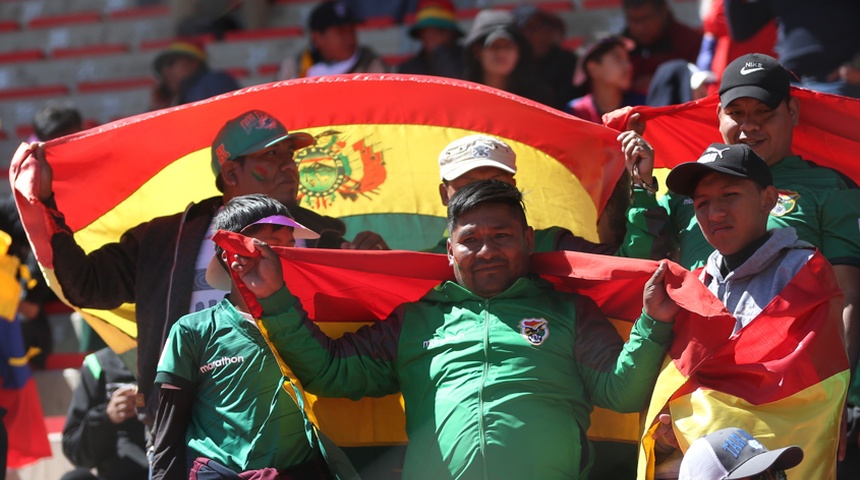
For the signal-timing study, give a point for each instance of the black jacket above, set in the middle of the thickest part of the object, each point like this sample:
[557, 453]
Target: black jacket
[151, 266]
[89, 438]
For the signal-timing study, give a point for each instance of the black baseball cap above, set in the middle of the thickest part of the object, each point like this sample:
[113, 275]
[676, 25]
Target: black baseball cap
[331, 14]
[757, 76]
[736, 160]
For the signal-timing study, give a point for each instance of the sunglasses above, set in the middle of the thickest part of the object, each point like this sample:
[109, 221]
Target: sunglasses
[770, 475]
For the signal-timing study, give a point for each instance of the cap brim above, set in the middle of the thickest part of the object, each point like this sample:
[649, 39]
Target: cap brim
[781, 459]
[470, 165]
[299, 230]
[217, 276]
[299, 139]
[767, 97]
[684, 177]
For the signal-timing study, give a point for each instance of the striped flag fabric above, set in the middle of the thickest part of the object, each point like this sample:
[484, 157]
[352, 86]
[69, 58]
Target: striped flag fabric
[783, 378]
[828, 132]
[23, 419]
[374, 165]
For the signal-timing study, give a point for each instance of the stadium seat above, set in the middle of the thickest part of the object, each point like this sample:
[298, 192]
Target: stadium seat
[66, 19]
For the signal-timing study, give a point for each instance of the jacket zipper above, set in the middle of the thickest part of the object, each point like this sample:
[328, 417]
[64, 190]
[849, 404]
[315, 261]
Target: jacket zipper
[481, 426]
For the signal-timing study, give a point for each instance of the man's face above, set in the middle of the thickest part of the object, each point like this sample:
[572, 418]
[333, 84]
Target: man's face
[271, 171]
[489, 249]
[768, 131]
[731, 211]
[646, 23]
[448, 189]
[337, 43]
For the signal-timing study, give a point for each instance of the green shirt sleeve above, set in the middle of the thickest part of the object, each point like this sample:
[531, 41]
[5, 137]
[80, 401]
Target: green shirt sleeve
[619, 376]
[180, 360]
[840, 227]
[647, 228]
[360, 364]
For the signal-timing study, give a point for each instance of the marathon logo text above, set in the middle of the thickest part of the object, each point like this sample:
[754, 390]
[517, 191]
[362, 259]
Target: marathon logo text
[221, 362]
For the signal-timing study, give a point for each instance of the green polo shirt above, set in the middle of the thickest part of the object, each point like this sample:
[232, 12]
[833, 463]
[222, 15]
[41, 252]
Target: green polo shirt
[241, 417]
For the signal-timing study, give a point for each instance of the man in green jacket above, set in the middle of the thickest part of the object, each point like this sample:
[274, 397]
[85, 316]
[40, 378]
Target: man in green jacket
[498, 370]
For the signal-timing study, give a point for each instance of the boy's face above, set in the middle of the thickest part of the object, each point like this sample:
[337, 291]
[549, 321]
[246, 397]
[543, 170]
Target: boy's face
[277, 235]
[732, 211]
[612, 69]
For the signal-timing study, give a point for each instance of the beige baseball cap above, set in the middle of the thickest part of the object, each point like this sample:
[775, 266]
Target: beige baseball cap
[475, 151]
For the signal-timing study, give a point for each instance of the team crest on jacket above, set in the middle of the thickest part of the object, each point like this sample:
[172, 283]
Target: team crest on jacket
[535, 330]
[339, 166]
[785, 203]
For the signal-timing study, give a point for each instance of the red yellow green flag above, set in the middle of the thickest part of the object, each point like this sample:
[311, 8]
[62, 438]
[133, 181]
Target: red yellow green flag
[374, 165]
[783, 377]
[828, 132]
[23, 419]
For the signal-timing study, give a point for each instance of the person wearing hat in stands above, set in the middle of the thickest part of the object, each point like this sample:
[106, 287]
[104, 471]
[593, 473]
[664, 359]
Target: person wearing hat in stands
[733, 196]
[756, 108]
[734, 454]
[605, 73]
[334, 47]
[159, 265]
[497, 55]
[482, 157]
[184, 76]
[436, 28]
[222, 407]
[544, 31]
[498, 370]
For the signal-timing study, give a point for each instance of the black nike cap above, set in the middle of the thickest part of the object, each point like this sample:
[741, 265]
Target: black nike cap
[757, 76]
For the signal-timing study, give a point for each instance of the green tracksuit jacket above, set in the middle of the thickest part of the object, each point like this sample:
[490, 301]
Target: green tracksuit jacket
[494, 388]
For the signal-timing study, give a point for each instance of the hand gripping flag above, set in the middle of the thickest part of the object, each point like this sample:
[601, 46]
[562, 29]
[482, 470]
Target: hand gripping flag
[23, 419]
[828, 132]
[783, 378]
[374, 165]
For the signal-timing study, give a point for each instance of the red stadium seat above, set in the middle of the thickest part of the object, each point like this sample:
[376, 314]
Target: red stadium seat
[269, 69]
[396, 59]
[88, 51]
[9, 26]
[263, 33]
[37, 91]
[119, 84]
[600, 4]
[65, 19]
[376, 22]
[21, 56]
[140, 12]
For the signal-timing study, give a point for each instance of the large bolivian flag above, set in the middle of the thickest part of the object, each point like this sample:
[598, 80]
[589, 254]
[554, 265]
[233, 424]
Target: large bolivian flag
[828, 132]
[783, 377]
[374, 165]
[23, 419]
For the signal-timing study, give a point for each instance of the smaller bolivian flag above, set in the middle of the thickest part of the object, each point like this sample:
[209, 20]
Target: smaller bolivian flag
[783, 378]
[828, 132]
[24, 421]
[348, 286]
